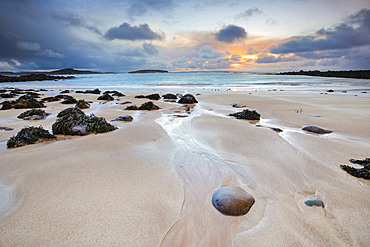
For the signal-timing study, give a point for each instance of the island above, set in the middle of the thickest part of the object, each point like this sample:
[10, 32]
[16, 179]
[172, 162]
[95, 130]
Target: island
[356, 74]
[148, 71]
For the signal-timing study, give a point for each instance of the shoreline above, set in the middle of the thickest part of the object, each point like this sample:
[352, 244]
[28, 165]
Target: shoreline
[149, 181]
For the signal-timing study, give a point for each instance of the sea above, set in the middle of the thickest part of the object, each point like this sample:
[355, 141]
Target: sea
[189, 81]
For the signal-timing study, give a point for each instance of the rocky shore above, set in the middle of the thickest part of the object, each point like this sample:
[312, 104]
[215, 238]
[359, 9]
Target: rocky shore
[356, 74]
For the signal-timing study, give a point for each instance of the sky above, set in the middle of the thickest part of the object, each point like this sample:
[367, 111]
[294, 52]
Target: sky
[185, 35]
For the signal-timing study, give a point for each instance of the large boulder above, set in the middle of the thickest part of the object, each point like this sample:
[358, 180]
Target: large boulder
[106, 96]
[70, 110]
[232, 200]
[187, 99]
[22, 103]
[148, 106]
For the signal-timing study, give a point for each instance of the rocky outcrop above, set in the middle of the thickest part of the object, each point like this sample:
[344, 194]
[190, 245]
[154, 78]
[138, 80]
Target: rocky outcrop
[69, 111]
[150, 96]
[148, 106]
[29, 135]
[82, 104]
[33, 77]
[246, 114]
[23, 102]
[106, 96]
[80, 124]
[232, 200]
[34, 114]
[169, 96]
[187, 99]
[363, 172]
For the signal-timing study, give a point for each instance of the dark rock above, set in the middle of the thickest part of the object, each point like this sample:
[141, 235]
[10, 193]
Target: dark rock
[79, 91]
[80, 124]
[316, 129]
[69, 100]
[95, 91]
[126, 102]
[344, 91]
[70, 110]
[34, 114]
[7, 95]
[148, 106]
[238, 106]
[29, 135]
[246, 114]
[126, 118]
[232, 200]
[65, 91]
[276, 129]
[313, 201]
[106, 97]
[22, 103]
[6, 128]
[169, 96]
[330, 91]
[118, 94]
[150, 96]
[187, 99]
[82, 104]
[32, 77]
[363, 172]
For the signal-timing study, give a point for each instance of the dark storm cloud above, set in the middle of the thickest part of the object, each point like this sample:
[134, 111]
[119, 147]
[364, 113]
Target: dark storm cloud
[353, 32]
[75, 21]
[231, 34]
[138, 8]
[127, 32]
[249, 13]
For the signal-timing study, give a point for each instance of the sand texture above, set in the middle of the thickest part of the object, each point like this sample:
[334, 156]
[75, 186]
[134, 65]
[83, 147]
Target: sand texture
[150, 182]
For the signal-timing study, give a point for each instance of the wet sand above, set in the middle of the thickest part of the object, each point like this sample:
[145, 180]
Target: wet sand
[150, 182]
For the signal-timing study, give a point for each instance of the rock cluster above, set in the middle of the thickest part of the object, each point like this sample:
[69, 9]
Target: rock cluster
[246, 114]
[363, 172]
[29, 135]
[232, 200]
[23, 102]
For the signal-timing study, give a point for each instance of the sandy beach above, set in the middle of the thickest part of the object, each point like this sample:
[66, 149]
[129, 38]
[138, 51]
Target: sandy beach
[150, 182]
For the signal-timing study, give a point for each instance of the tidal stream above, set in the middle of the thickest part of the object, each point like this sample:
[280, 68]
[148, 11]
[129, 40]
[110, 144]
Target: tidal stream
[202, 171]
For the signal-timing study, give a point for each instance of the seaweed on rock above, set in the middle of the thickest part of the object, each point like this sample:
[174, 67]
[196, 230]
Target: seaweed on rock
[70, 110]
[34, 114]
[29, 135]
[246, 114]
[22, 103]
[363, 172]
[148, 106]
[81, 124]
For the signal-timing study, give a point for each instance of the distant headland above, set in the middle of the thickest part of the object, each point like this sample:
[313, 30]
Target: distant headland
[148, 71]
[356, 74]
[42, 76]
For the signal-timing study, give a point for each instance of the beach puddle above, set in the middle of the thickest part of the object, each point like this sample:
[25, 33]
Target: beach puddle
[202, 171]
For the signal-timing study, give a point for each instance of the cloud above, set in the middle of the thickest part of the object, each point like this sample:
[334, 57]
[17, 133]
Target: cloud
[248, 13]
[236, 57]
[209, 53]
[354, 32]
[127, 32]
[231, 33]
[50, 53]
[139, 8]
[275, 59]
[75, 21]
[252, 51]
[150, 49]
[28, 46]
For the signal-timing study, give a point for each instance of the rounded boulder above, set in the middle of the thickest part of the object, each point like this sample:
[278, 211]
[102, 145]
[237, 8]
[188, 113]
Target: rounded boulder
[232, 200]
